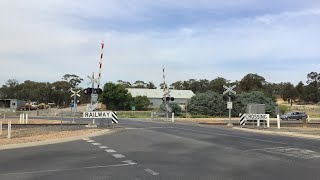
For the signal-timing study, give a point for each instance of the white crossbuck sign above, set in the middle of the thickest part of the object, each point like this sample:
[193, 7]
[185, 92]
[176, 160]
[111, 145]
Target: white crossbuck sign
[229, 89]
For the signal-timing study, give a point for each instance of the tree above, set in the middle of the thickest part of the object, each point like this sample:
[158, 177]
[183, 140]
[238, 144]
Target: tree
[313, 77]
[72, 79]
[174, 107]
[9, 90]
[312, 93]
[209, 103]
[254, 97]
[252, 82]
[126, 84]
[289, 92]
[177, 85]
[216, 85]
[141, 103]
[150, 85]
[139, 84]
[300, 90]
[115, 97]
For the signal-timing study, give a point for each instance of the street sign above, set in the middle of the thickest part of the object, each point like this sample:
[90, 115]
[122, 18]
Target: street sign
[102, 114]
[229, 89]
[94, 98]
[133, 108]
[229, 105]
[253, 117]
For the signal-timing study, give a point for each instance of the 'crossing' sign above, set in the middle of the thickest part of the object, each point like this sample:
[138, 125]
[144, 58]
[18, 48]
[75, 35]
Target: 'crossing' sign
[102, 114]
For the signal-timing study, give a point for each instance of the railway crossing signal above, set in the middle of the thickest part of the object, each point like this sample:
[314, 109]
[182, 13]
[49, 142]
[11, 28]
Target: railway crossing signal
[229, 91]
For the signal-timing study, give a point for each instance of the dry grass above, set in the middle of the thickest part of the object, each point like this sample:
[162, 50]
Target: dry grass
[40, 121]
[50, 135]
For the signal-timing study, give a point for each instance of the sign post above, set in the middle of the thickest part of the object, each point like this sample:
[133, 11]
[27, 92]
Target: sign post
[229, 90]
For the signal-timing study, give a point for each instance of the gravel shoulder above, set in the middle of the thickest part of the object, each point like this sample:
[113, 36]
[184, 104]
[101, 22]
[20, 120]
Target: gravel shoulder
[42, 131]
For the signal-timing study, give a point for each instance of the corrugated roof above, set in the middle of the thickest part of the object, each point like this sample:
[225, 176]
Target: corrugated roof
[158, 93]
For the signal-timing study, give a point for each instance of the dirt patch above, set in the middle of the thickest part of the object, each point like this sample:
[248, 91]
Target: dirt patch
[37, 134]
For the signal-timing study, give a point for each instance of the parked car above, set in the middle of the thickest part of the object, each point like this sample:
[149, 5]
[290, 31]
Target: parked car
[294, 115]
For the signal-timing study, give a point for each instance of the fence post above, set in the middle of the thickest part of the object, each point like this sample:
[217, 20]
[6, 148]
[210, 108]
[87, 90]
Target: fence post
[9, 129]
[1, 127]
[172, 117]
[278, 121]
[27, 118]
[4, 116]
[258, 123]
[308, 118]
[20, 119]
[268, 120]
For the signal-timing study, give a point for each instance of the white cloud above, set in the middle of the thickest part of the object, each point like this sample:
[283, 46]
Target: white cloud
[43, 37]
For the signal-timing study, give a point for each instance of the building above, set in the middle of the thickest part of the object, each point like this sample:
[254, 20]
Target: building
[11, 104]
[155, 96]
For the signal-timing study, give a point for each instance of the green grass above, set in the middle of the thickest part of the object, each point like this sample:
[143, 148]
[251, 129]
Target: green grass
[134, 114]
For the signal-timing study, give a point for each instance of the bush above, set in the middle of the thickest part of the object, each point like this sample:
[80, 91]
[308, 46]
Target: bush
[283, 109]
[141, 103]
[207, 104]
[175, 108]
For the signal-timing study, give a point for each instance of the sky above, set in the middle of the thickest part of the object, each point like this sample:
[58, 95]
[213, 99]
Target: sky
[198, 39]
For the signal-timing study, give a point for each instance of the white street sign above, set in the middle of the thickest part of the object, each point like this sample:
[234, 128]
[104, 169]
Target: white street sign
[97, 114]
[94, 98]
[229, 89]
[229, 105]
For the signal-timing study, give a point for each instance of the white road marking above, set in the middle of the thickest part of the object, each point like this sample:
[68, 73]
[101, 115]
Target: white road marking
[228, 135]
[261, 149]
[129, 162]
[90, 141]
[150, 171]
[103, 147]
[110, 151]
[86, 139]
[96, 144]
[292, 151]
[118, 156]
[60, 170]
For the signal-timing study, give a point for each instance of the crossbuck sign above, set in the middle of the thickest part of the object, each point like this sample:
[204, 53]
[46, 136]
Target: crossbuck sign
[229, 89]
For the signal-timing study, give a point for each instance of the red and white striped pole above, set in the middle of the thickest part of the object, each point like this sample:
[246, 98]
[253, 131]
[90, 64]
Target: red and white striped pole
[164, 85]
[100, 63]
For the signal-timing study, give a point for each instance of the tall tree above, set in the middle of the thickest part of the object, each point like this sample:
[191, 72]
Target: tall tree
[252, 82]
[126, 84]
[300, 90]
[289, 92]
[72, 79]
[139, 84]
[115, 97]
[216, 85]
[150, 85]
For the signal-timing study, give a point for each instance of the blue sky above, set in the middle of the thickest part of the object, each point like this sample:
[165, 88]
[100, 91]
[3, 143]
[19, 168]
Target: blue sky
[203, 39]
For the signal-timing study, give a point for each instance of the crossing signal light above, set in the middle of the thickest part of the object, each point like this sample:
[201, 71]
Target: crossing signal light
[88, 91]
[97, 91]
[168, 99]
[226, 97]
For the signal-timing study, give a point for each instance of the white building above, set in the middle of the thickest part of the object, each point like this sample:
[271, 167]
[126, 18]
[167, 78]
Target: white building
[155, 96]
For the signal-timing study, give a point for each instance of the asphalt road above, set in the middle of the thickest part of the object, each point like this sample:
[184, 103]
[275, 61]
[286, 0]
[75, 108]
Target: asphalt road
[152, 150]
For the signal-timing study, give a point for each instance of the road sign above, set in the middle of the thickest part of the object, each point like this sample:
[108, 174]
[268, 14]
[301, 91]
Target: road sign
[229, 89]
[133, 108]
[253, 117]
[229, 105]
[94, 98]
[102, 114]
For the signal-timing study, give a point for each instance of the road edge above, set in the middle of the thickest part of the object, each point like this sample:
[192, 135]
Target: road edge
[54, 141]
[287, 134]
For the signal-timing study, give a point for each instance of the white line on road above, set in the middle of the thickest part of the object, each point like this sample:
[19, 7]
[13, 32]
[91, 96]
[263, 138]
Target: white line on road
[228, 135]
[103, 147]
[150, 171]
[60, 170]
[86, 139]
[90, 141]
[118, 156]
[110, 151]
[129, 162]
[261, 149]
[96, 144]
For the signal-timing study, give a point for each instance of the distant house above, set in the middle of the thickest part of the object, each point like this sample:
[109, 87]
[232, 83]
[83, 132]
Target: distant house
[155, 96]
[11, 104]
